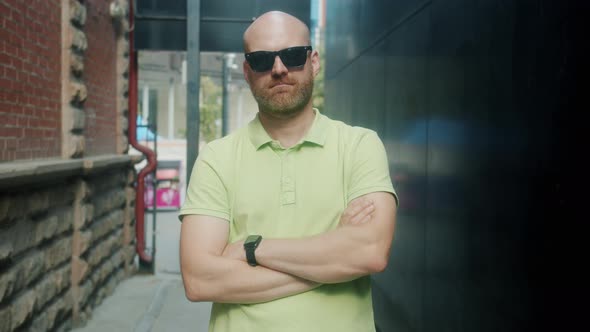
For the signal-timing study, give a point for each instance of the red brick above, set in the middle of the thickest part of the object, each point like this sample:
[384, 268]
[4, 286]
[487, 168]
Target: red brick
[9, 72]
[6, 84]
[33, 133]
[7, 120]
[23, 155]
[11, 132]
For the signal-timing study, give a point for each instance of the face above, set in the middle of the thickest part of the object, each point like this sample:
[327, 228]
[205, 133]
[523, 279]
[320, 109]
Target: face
[281, 90]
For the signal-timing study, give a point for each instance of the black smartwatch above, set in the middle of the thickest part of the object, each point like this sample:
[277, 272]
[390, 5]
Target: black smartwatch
[250, 245]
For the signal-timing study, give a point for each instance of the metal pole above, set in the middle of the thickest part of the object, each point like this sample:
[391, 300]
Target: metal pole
[193, 53]
[224, 103]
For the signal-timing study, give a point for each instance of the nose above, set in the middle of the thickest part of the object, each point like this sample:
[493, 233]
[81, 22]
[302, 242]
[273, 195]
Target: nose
[278, 68]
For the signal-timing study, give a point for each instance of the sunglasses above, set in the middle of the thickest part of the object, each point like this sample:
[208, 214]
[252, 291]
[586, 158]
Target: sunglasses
[291, 57]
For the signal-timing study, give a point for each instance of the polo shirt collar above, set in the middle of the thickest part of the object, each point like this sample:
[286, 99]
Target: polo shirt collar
[316, 134]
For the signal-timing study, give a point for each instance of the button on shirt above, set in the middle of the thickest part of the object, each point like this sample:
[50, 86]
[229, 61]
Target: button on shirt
[260, 187]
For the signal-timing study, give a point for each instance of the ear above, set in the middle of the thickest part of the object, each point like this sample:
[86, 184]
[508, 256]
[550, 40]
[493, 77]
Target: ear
[315, 62]
[245, 68]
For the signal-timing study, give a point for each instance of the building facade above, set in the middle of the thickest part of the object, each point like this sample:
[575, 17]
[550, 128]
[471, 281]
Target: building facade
[66, 180]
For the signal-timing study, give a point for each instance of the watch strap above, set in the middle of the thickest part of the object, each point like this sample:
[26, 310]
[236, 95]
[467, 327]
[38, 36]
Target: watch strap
[250, 246]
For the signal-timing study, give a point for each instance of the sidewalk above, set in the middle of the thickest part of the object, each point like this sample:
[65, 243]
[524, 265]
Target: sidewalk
[153, 302]
[149, 303]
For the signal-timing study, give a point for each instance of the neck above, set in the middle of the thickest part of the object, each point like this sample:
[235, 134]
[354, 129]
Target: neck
[287, 129]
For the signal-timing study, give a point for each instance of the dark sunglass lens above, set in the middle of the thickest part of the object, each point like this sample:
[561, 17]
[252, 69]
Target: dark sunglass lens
[294, 57]
[261, 61]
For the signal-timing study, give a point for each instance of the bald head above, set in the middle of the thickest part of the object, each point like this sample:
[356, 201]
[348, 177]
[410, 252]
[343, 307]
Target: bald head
[275, 30]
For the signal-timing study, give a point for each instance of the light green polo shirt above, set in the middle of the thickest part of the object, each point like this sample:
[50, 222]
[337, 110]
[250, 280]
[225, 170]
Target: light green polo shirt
[262, 188]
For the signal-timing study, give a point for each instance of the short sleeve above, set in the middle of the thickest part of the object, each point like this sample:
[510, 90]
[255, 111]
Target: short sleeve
[206, 192]
[369, 167]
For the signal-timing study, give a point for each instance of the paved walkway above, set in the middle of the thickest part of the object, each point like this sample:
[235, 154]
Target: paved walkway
[149, 303]
[153, 302]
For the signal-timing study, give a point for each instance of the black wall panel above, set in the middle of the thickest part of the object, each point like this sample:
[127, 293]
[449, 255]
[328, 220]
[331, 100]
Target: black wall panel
[476, 104]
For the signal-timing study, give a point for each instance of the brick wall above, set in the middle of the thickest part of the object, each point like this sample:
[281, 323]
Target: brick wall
[30, 85]
[100, 75]
[66, 183]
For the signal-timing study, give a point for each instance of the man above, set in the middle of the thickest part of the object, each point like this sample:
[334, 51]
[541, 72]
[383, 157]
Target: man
[285, 219]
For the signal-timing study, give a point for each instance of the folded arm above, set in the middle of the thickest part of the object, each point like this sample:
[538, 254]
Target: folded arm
[209, 276]
[350, 251]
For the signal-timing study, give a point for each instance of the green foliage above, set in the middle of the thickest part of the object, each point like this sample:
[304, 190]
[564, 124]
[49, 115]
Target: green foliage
[210, 109]
[318, 85]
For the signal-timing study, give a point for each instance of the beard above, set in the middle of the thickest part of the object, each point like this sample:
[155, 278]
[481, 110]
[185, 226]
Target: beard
[284, 103]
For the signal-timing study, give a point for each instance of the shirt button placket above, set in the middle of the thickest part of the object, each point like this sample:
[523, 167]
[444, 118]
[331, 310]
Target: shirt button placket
[288, 179]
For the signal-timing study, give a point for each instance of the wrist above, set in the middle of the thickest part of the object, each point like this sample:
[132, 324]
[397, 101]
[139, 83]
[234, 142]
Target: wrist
[250, 247]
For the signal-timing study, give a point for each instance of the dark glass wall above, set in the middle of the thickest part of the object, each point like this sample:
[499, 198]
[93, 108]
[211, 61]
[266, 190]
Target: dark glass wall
[475, 102]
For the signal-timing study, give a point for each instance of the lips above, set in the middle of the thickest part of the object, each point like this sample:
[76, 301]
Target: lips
[280, 84]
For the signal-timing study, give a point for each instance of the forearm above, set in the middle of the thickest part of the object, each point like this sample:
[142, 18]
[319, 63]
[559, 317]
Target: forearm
[222, 279]
[343, 254]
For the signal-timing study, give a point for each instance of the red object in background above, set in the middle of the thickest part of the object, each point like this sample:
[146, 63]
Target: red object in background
[167, 198]
[167, 192]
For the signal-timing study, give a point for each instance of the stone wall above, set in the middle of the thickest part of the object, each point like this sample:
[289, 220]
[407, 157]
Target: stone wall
[66, 239]
[66, 182]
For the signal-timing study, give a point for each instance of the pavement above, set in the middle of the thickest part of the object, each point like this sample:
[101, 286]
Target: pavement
[153, 302]
[149, 303]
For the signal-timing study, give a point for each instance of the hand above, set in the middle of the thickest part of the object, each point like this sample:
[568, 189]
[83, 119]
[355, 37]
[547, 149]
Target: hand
[359, 211]
[235, 251]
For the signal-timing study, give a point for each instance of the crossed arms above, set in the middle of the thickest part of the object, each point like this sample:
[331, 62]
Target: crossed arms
[213, 270]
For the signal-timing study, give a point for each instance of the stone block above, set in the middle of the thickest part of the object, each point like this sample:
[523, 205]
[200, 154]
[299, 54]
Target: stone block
[79, 270]
[65, 220]
[77, 39]
[77, 12]
[29, 269]
[63, 195]
[58, 252]
[123, 106]
[7, 284]
[4, 209]
[74, 146]
[107, 224]
[124, 124]
[131, 177]
[85, 290]
[19, 237]
[47, 319]
[88, 213]
[64, 325]
[81, 241]
[45, 229]
[78, 92]
[38, 202]
[22, 308]
[122, 50]
[105, 182]
[109, 201]
[124, 88]
[51, 285]
[123, 144]
[5, 319]
[76, 119]
[5, 251]
[81, 190]
[76, 64]
[104, 249]
[12, 208]
[123, 68]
